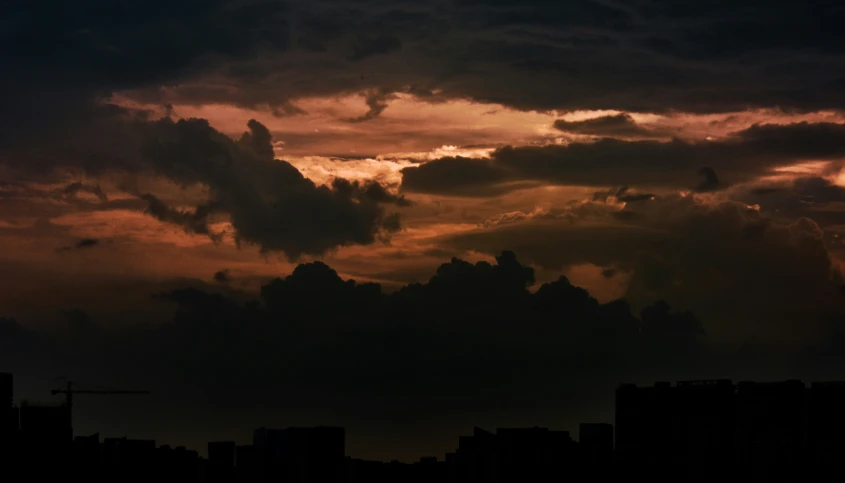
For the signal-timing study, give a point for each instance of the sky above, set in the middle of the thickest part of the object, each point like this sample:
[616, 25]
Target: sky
[536, 200]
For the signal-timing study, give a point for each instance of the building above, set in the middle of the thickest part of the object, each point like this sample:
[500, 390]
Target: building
[646, 427]
[247, 464]
[7, 386]
[705, 425]
[45, 441]
[130, 460]
[663, 431]
[8, 421]
[178, 464]
[45, 424]
[221, 461]
[8, 412]
[534, 454]
[87, 455]
[302, 455]
[595, 441]
[521, 455]
[825, 427]
[770, 429]
[475, 460]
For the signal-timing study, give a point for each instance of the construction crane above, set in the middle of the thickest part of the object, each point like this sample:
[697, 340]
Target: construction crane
[69, 391]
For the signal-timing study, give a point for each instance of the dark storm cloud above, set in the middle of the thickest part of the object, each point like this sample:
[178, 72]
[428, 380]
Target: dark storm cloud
[441, 351]
[222, 276]
[710, 181]
[195, 221]
[376, 102]
[81, 244]
[87, 242]
[741, 271]
[269, 202]
[622, 194]
[72, 189]
[620, 125]
[740, 157]
[810, 196]
[632, 55]
[434, 351]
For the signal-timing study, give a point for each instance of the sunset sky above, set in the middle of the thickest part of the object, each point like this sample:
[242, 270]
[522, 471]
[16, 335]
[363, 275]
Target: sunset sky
[690, 152]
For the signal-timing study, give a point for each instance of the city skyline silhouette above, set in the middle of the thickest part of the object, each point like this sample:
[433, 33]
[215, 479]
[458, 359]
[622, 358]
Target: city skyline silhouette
[687, 431]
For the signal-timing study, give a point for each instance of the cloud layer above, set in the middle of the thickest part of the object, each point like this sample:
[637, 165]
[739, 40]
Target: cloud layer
[438, 352]
[675, 164]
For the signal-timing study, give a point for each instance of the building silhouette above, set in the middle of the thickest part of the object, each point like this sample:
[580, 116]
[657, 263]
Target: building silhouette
[301, 455]
[221, 461]
[705, 426]
[8, 420]
[646, 431]
[595, 441]
[825, 427]
[770, 429]
[689, 431]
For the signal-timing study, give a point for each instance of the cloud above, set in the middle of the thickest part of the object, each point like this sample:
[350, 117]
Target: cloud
[268, 202]
[472, 341]
[619, 125]
[195, 221]
[72, 189]
[87, 242]
[743, 273]
[741, 157]
[811, 196]
[622, 194]
[377, 102]
[222, 276]
[81, 244]
[710, 181]
[436, 351]
[629, 56]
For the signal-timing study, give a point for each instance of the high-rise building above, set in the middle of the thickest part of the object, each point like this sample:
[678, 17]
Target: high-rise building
[45, 440]
[770, 429]
[221, 461]
[533, 455]
[8, 414]
[523, 455]
[7, 386]
[247, 464]
[596, 443]
[302, 455]
[8, 422]
[706, 423]
[825, 427]
[475, 460]
[45, 424]
[222, 453]
[666, 430]
[646, 428]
